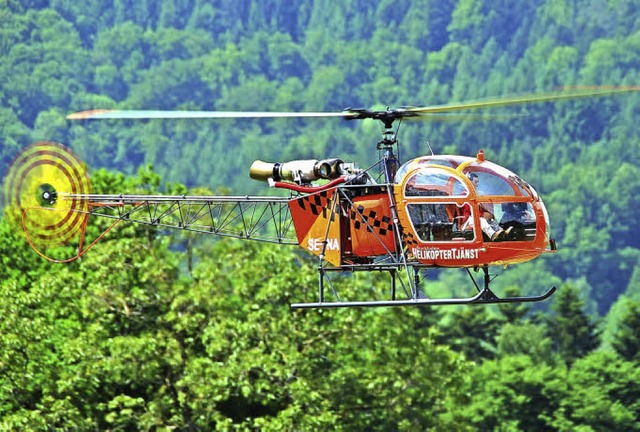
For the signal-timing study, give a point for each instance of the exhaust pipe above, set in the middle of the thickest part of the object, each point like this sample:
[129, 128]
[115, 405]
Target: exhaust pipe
[300, 171]
[263, 171]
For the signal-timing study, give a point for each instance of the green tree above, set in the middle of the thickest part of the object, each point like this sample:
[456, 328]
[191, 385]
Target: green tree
[511, 393]
[269, 367]
[573, 333]
[602, 393]
[472, 331]
[626, 338]
[74, 333]
[526, 339]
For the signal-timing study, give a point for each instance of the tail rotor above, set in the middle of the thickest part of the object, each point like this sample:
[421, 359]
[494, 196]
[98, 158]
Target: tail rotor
[37, 192]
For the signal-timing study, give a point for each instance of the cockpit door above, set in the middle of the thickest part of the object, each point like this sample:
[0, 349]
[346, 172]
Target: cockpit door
[433, 206]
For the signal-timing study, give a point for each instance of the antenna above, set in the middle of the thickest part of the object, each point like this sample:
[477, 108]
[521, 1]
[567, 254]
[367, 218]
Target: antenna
[430, 149]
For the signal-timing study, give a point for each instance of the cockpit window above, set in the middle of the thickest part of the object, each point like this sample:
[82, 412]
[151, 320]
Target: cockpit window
[489, 183]
[517, 219]
[430, 181]
[439, 222]
[495, 180]
[422, 162]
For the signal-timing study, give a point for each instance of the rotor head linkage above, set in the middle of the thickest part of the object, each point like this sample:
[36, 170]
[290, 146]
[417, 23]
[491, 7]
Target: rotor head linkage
[387, 117]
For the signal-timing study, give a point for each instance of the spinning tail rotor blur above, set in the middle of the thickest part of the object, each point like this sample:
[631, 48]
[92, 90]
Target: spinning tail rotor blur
[33, 195]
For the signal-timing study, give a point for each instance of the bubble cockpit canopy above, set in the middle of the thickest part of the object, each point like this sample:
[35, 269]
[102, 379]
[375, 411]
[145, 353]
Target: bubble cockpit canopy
[465, 199]
[487, 178]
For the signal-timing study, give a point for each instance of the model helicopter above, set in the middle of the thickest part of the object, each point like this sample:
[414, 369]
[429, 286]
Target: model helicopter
[428, 212]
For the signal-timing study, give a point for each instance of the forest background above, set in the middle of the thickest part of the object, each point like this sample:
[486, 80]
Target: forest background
[154, 332]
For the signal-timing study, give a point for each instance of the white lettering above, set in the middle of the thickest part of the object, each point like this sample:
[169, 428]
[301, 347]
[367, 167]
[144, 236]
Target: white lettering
[445, 254]
[316, 244]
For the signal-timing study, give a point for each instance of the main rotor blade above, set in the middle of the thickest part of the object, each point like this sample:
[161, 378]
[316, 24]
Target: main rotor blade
[158, 114]
[566, 93]
[387, 116]
[460, 117]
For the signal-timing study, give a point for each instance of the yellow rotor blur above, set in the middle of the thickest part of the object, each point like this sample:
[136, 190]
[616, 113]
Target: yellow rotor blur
[36, 189]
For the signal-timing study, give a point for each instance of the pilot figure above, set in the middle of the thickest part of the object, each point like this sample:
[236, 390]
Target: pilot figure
[516, 212]
[488, 222]
[488, 225]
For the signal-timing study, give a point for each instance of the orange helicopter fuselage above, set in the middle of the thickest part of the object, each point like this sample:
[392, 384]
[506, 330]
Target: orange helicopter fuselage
[443, 211]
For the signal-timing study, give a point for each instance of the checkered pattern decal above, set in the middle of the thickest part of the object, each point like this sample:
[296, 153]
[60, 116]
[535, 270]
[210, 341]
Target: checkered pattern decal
[319, 204]
[409, 239]
[381, 225]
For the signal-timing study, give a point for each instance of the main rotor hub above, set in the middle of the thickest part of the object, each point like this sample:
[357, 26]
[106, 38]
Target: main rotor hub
[387, 117]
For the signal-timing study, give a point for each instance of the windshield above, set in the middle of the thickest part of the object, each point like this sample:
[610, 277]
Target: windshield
[432, 181]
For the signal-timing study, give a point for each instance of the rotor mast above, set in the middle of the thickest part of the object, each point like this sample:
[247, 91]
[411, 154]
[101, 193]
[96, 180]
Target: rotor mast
[389, 135]
[389, 140]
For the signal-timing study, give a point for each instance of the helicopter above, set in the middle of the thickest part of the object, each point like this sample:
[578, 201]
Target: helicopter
[433, 211]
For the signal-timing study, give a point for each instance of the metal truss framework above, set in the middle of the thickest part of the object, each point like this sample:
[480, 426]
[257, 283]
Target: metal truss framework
[260, 218]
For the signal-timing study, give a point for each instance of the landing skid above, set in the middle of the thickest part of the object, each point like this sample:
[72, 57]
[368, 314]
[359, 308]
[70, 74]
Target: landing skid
[485, 296]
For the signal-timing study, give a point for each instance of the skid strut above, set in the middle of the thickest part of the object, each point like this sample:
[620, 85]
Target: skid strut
[484, 296]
